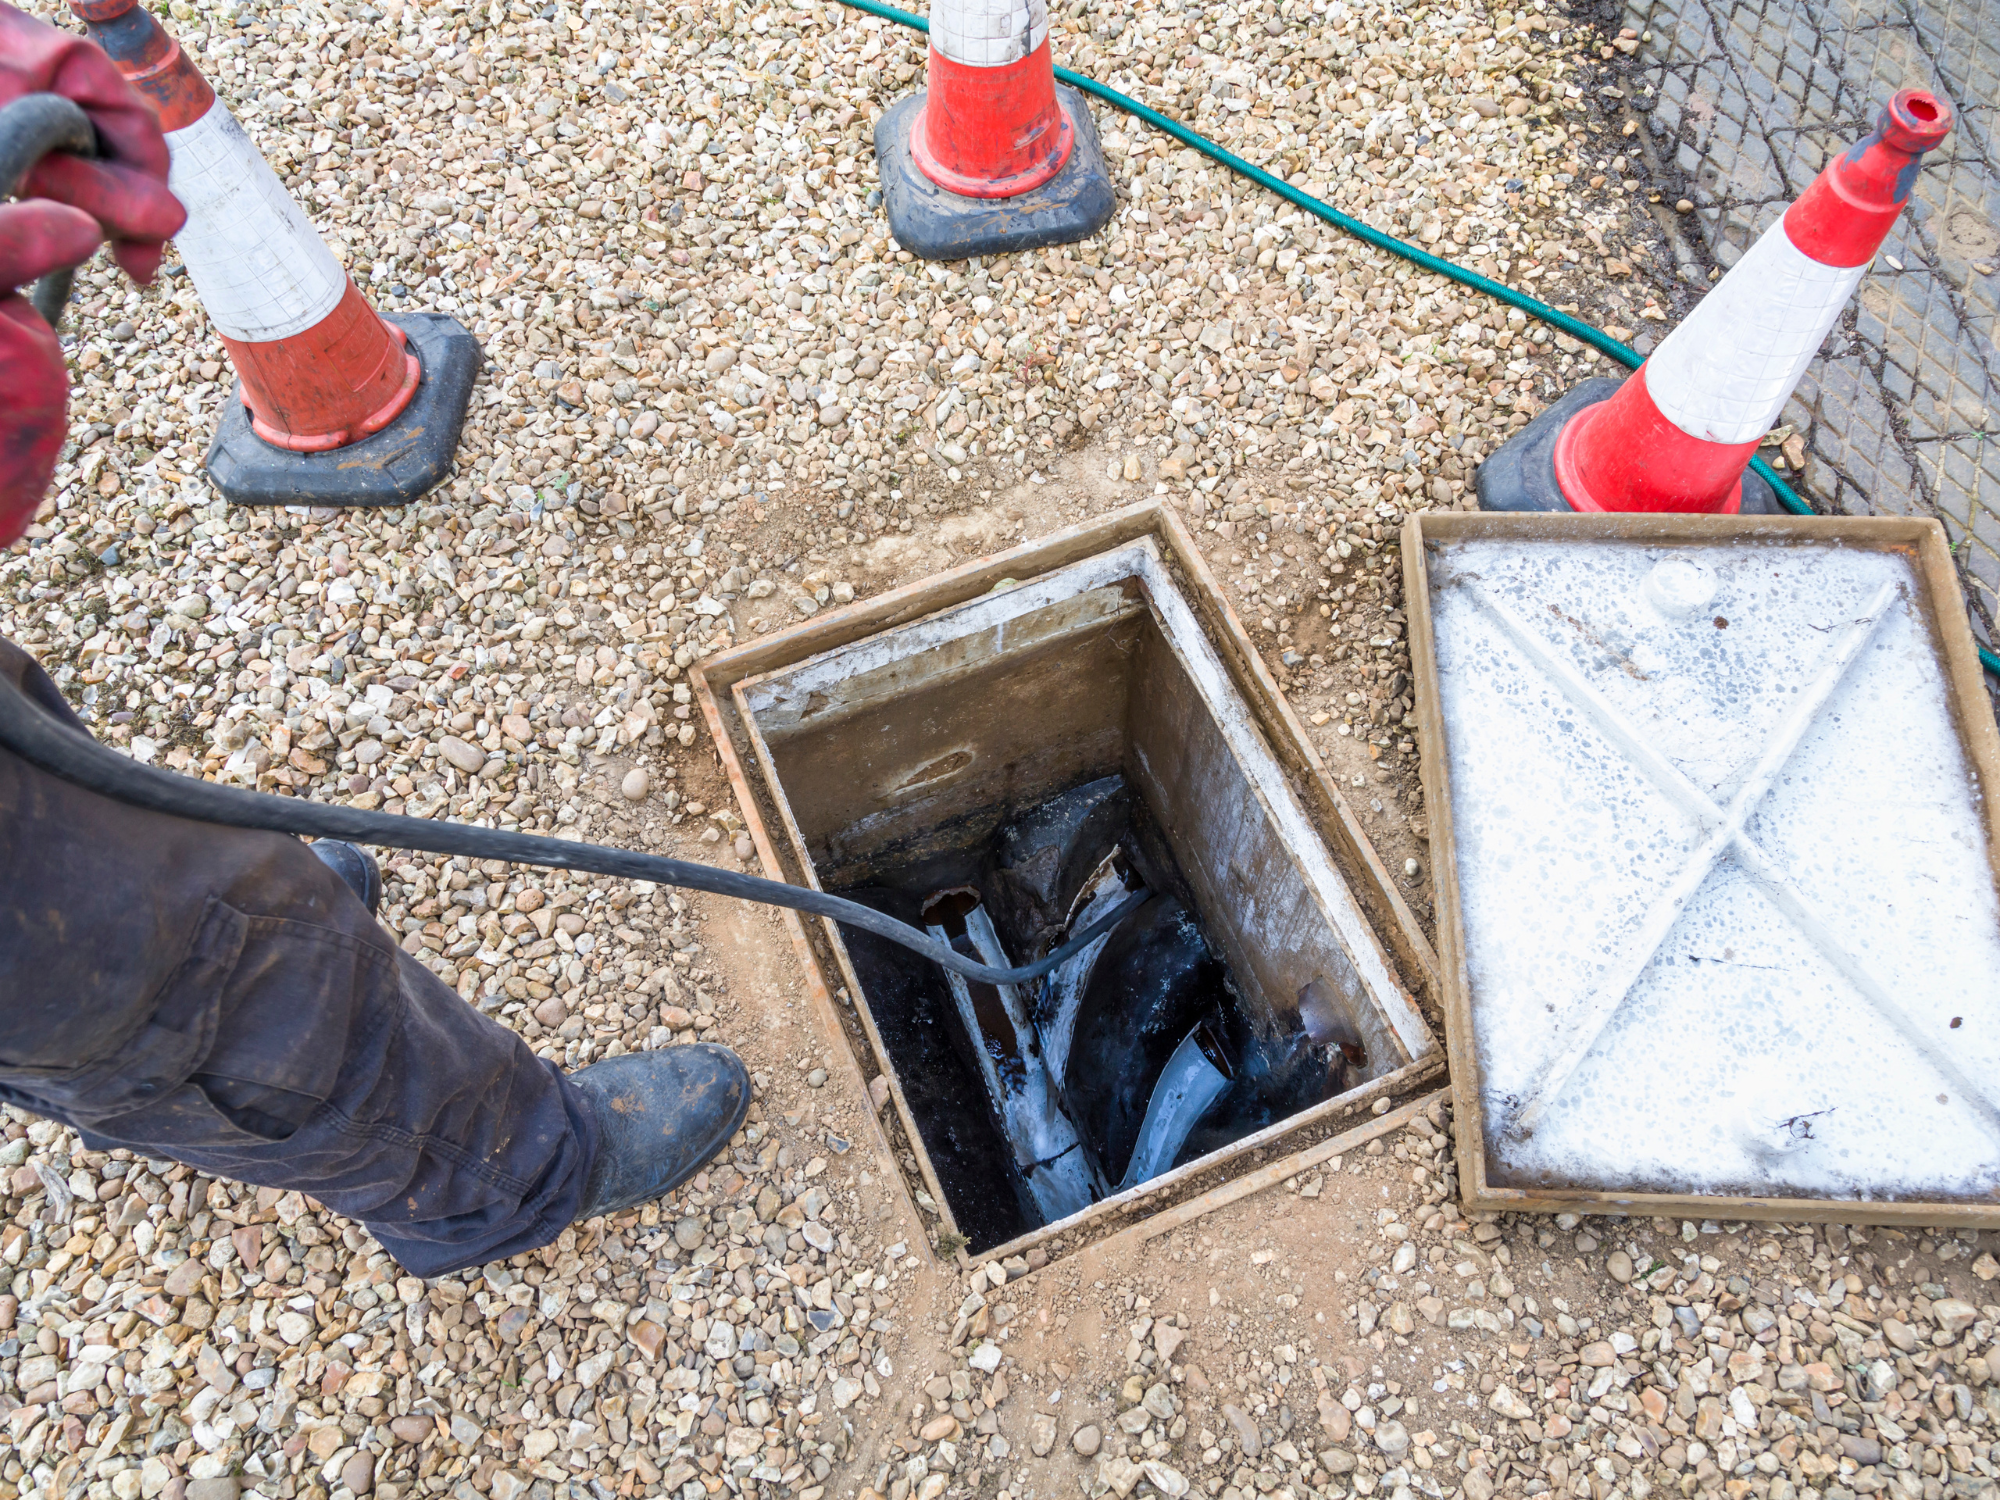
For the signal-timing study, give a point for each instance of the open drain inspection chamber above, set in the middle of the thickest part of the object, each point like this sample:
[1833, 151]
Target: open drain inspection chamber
[1714, 847]
[1001, 753]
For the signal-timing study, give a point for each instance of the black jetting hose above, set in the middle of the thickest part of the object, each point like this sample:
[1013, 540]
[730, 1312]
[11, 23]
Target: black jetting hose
[30, 128]
[42, 739]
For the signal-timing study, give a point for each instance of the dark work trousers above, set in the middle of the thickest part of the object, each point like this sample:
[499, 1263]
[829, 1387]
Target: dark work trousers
[220, 997]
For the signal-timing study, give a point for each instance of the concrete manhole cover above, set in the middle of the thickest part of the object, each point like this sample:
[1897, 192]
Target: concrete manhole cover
[1720, 862]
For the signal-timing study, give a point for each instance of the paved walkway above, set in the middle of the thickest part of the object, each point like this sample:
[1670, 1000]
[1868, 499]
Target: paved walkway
[1902, 411]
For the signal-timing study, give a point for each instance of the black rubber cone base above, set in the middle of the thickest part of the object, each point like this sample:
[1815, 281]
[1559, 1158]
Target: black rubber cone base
[399, 463]
[928, 221]
[1521, 474]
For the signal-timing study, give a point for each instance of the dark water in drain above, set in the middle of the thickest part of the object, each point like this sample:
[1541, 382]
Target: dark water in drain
[1141, 1054]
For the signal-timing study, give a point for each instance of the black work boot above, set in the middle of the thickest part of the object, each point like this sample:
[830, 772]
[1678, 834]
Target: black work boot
[660, 1117]
[354, 865]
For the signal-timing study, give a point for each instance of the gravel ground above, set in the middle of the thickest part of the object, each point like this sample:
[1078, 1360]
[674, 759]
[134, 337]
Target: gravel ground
[1523, 1357]
[720, 400]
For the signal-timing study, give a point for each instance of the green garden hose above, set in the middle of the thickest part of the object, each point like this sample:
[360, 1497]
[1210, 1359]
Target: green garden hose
[1563, 322]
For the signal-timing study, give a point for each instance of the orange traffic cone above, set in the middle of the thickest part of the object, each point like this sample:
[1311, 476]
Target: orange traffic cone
[1678, 433]
[319, 372]
[993, 156]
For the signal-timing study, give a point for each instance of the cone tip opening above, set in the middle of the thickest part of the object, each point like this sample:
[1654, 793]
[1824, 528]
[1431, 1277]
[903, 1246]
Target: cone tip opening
[1916, 120]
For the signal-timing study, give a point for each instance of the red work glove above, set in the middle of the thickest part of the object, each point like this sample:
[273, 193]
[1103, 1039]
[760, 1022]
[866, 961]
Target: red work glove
[35, 237]
[126, 190]
[125, 193]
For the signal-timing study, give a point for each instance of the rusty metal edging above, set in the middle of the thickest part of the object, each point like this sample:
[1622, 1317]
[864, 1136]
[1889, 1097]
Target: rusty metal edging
[1154, 1189]
[715, 681]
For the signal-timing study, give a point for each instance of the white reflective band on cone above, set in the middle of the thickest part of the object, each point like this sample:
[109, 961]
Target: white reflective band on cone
[1725, 372]
[261, 269]
[988, 33]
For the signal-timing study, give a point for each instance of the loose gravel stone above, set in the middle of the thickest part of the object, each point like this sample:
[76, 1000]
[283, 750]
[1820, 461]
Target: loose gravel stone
[468, 758]
[1042, 1434]
[358, 1473]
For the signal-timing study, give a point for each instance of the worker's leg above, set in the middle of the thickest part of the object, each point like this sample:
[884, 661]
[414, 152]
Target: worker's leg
[352, 1074]
[221, 997]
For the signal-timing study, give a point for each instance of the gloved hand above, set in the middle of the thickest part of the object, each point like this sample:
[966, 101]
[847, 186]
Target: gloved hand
[125, 190]
[125, 193]
[35, 237]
